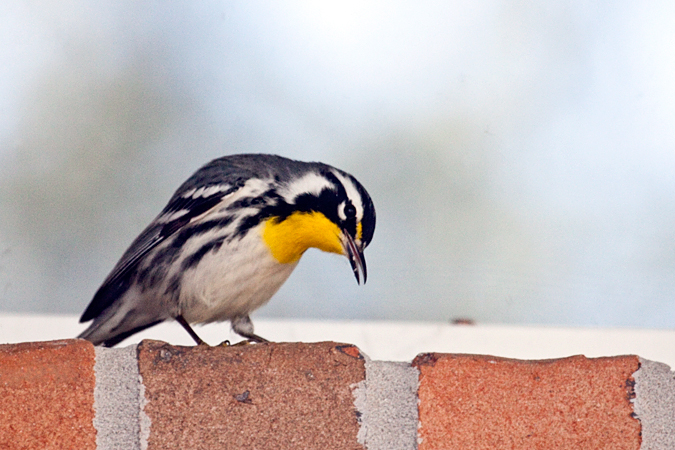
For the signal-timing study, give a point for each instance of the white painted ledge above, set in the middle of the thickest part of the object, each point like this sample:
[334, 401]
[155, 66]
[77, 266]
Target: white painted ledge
[389, 341]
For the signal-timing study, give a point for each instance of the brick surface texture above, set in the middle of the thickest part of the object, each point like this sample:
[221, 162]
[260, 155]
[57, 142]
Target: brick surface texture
[262, 396]
[484, 402]
[47, 396]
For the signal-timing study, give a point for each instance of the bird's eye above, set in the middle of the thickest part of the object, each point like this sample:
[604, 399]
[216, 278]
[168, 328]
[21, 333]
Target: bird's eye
[350, 210]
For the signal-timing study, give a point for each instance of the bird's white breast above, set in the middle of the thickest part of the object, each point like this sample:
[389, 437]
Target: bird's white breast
[233, 281]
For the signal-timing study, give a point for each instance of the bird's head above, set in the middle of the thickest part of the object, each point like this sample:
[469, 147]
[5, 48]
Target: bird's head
[324, 208]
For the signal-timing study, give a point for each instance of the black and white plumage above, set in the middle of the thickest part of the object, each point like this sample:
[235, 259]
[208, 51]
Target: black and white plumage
[225, 243]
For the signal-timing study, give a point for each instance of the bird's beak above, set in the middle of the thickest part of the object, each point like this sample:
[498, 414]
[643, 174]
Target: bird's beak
[355, 256]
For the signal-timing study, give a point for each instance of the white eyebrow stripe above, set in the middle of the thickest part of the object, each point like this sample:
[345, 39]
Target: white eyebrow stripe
[352, 194]
[310, 183]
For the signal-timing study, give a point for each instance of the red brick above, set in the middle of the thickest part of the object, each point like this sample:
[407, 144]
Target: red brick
[484, 402]
[47, 395]
[261, 396]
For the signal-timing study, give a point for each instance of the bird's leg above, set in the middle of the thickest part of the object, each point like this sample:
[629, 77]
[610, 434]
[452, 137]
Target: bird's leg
[243, 326]
[181, 320]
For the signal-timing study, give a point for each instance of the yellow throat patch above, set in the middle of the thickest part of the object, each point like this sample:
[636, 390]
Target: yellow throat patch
[290, 238]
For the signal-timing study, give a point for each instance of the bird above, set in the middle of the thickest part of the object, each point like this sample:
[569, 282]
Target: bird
[227, 240]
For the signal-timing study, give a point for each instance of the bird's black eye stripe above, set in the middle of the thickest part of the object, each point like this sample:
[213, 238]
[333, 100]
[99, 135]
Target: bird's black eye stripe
[312, 203]
[282, 209]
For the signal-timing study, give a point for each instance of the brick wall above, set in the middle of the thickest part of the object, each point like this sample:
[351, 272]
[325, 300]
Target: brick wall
[69, 395]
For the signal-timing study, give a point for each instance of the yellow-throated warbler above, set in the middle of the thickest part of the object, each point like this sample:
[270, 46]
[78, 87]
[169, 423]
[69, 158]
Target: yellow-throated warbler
[226, 242]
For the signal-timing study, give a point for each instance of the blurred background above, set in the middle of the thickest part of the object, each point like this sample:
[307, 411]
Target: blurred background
[521, 155]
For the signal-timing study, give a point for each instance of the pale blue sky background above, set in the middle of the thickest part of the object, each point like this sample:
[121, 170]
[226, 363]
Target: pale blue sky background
[521, 155]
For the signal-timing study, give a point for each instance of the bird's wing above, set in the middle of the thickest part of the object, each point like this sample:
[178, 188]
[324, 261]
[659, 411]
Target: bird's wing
[183, 207]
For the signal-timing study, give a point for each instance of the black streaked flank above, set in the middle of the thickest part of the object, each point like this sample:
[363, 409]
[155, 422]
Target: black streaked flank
[148, 276]
[173, 287]
[197, 256]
